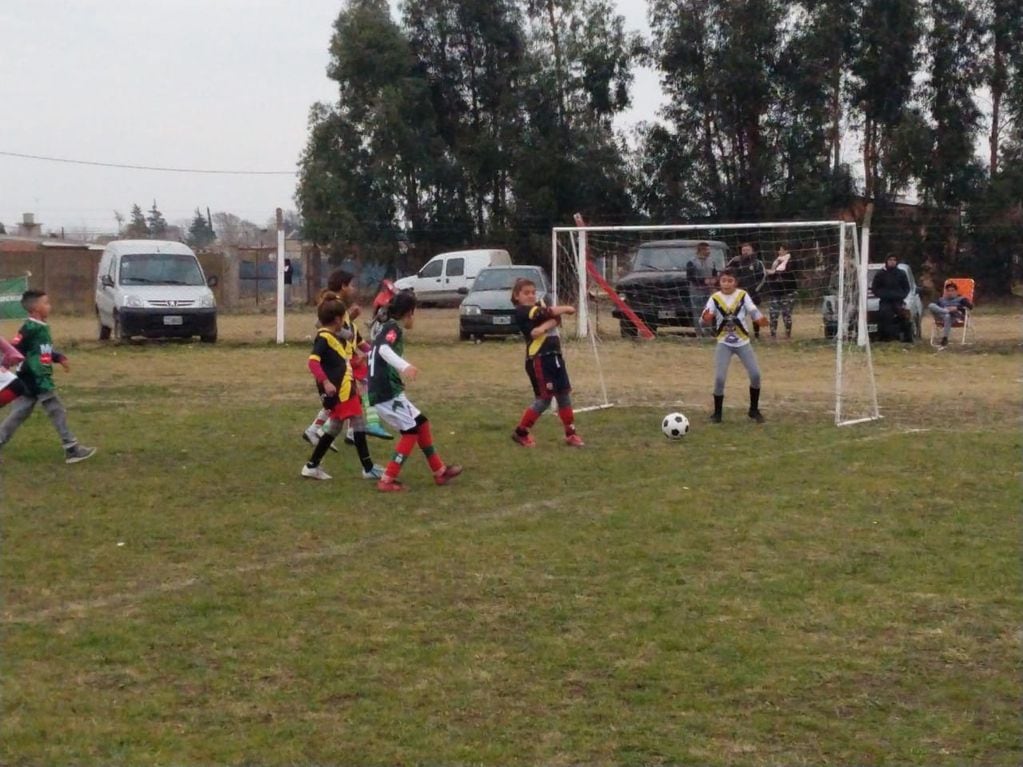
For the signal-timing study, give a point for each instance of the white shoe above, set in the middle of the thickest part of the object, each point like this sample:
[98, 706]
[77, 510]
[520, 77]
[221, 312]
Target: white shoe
[350, 437]
[314, 473]
[377, 472]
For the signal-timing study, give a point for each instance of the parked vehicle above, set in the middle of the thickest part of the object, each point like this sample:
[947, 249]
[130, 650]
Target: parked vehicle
[656, 287]
[488, 310]
[447, 277]
[829, 309]
[155, 289]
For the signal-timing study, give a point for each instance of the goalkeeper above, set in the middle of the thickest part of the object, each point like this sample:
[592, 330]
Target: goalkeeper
[729, 312]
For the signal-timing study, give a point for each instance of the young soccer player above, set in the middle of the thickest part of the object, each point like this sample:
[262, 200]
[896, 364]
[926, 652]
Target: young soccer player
[388, 371]
[331, 366]
[35, 344]
[729, 312]
[342, 283]
[544, 363]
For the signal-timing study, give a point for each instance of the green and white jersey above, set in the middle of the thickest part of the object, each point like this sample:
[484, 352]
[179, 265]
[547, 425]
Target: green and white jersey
[386, 363]
[35, 342]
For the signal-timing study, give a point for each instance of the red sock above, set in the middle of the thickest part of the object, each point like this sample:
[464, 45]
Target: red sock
[426, 445]
[401, 451]
[7, 395]
[568, 418]
[528, 419]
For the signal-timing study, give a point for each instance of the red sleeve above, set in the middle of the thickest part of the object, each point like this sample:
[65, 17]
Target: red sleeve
[317, 370]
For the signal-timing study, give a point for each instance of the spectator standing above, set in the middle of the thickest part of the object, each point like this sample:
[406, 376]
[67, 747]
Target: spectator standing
[750, 273]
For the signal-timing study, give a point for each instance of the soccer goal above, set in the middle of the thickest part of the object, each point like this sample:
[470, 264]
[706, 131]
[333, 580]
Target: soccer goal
[639, 291]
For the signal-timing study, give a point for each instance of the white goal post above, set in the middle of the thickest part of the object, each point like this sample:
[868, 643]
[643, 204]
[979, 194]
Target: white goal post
[637, 282]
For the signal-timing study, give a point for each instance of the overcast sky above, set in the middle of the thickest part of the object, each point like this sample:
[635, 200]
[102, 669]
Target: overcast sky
[193, 84]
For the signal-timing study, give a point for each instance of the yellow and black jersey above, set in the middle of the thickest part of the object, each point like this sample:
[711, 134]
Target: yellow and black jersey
[331, 353]
[529, 317]
[350, 337]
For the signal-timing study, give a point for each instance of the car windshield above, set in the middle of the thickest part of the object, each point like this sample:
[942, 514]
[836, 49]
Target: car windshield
[504, 279]
[160, 269]
[666, 258]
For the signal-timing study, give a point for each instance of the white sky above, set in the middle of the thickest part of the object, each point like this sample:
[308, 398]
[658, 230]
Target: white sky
[210, 84]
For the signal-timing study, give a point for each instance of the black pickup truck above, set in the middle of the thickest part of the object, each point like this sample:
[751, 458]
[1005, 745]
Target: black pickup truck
[656, 287]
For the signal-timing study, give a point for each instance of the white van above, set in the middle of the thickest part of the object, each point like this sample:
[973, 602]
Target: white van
[156, 289]
[447, 277]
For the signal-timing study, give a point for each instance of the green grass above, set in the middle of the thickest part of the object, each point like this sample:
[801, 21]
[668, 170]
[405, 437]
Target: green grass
[786, 594]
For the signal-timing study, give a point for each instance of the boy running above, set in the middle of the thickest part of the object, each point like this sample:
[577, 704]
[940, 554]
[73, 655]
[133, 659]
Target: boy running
[35, 343]
[388, 371]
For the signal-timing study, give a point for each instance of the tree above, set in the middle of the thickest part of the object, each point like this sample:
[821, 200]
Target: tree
[137, 228]
[156, 222]
[371, 157]
[200, 233]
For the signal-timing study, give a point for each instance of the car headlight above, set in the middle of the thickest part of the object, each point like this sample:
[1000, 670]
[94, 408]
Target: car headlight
[470, 310]
[133, 301]
[207, 302]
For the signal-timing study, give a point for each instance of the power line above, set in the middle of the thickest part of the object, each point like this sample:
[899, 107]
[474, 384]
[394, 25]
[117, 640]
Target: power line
[150, 167]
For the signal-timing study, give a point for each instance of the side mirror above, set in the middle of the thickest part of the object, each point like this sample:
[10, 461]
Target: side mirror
[212, 280]
[106, 281]
[463, 291]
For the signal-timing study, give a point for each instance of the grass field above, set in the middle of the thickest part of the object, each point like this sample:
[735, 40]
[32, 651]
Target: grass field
[791, 593]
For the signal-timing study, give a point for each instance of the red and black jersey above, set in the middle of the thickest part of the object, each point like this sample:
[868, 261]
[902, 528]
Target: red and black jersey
[529, 317]
[331, 354]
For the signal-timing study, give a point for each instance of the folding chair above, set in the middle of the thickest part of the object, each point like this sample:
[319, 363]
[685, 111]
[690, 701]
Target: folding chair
[965, 286]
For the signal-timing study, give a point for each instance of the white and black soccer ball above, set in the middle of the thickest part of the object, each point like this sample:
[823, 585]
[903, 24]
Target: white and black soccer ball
[675, 426]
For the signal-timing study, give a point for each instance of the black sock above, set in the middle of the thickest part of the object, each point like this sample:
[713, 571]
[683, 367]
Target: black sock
[719, 401]
[362, 448]
[320, 450]
[754, 399]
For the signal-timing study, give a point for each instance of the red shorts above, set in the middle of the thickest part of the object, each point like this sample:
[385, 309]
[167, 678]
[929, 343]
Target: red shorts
[360, 370]
[350, 408]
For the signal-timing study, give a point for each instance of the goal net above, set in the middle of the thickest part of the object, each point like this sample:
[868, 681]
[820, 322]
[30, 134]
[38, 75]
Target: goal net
[636, 337]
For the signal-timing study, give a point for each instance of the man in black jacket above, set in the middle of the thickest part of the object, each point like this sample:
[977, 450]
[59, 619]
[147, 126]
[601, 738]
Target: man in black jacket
[891, 287]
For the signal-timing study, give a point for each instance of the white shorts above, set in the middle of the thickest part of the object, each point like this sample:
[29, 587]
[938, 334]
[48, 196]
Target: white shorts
[398, 413]
[6, 378]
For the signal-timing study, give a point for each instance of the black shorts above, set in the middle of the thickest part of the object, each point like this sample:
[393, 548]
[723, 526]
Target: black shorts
[549, 376]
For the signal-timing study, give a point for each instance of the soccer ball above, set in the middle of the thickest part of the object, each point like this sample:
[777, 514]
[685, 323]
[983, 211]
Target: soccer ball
[675, 426]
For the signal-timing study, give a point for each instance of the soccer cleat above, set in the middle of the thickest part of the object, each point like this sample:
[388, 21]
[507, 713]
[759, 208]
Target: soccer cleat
[390, 486]
[526, 440]
[312, 436]
[715, 417]
[449, 473]
[377, 472]
[78, 453]
[314, 472]
[378, 431]
[756, 415]
[574, 440]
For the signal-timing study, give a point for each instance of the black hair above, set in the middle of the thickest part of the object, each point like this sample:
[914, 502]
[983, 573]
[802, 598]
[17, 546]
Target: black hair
[728, 272]
[339, 278]
[403, 304]
[29, 299]
[520, 284]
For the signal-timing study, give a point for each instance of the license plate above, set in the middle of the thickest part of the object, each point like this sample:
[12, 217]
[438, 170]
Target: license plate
[666, 314]
[173, 319]
[502, 320]
[871, 327]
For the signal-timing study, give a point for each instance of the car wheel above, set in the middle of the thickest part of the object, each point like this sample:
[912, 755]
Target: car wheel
[463, 335]
[209, 338]
[830, 329]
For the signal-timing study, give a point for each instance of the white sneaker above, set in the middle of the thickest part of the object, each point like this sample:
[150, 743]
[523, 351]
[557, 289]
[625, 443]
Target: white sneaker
[377, 472]
[314, 473]
[78, 453]
[312, 436]
[350, 437]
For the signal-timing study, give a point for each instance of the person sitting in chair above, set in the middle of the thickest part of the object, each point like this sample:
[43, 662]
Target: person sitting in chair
[949, 309]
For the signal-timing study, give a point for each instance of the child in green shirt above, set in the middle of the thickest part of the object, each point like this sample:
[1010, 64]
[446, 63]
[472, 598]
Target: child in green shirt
[36, 374]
